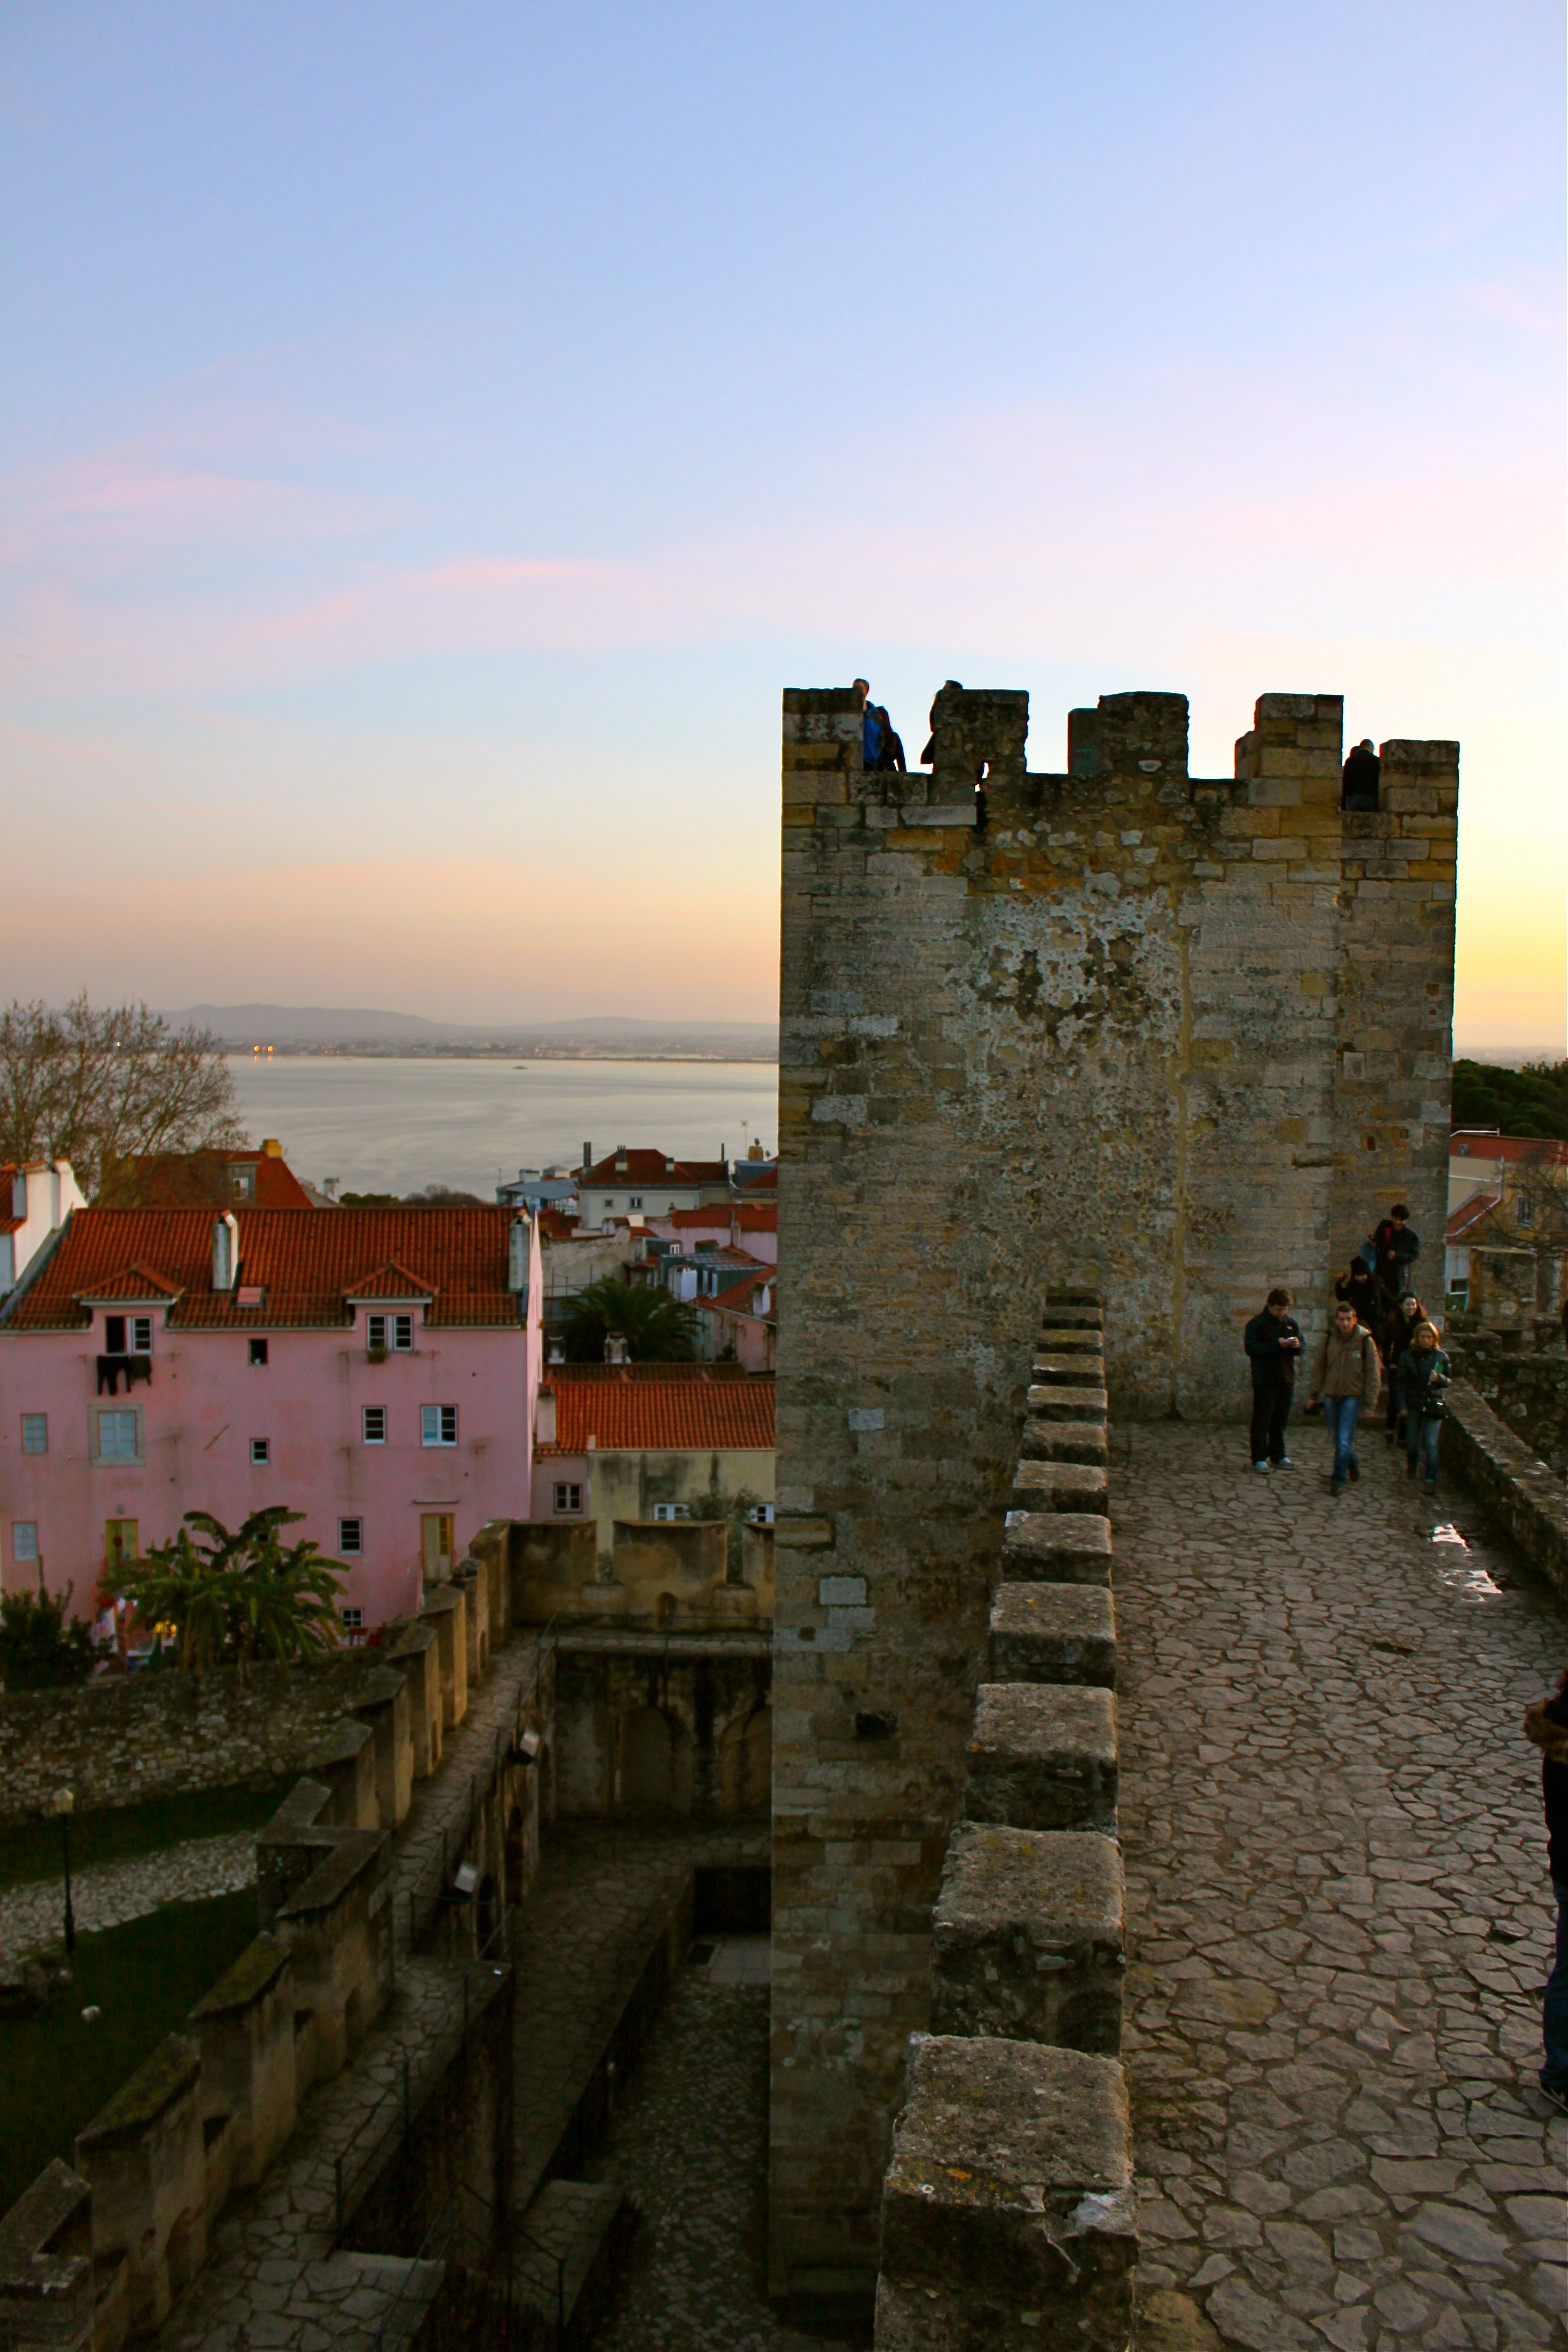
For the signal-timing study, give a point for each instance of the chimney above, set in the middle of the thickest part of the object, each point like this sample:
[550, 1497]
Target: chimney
[555, 1350]
[587, 1157]
[271, 1148]
[620, 1159]
[517, 1257]
[225, 1250]
[544, 1417]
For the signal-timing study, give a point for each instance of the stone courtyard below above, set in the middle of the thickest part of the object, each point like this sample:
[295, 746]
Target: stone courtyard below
[1338, 1908]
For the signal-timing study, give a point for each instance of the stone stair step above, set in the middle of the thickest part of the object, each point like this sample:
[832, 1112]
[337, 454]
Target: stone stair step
[1053, 1633]
[1028, 1937]
[1074, 1371]
[1068, 1340]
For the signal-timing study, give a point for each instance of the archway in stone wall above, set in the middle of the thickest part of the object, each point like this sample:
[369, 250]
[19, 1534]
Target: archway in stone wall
[746, 1764]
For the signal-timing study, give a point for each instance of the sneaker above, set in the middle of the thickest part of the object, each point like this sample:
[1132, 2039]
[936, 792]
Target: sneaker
[1284, 1463]
[1336, 1488]
[1263, 1466]
[1355, 1469]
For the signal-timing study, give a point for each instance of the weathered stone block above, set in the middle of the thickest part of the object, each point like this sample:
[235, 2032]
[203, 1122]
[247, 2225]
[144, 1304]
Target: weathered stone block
[1027, 1937]
[1064, 1441]
[1058, 1547]
[1060, 1486]
[1043, 1756]
[1008, 2217]
[1076, 1371]
[1054, 1402]
[1053, 1633]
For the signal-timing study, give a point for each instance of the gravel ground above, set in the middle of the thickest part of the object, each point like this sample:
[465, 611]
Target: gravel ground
[31, 1916]
[690, 2142]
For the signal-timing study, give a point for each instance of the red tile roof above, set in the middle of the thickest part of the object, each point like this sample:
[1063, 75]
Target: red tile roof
[652, 1167]
[188, 1180]
[307, 1265]
[660, 1408]
[741, 1298]
[1476, 1143]
[1469, 1214]
[749, 1216]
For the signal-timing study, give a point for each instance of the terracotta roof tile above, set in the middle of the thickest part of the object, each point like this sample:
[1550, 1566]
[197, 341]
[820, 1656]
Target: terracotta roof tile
[305, 1262]
[188, 1180]
[1469, 1214]
[652, 1167]
[661, 1408]
[1475, 1143]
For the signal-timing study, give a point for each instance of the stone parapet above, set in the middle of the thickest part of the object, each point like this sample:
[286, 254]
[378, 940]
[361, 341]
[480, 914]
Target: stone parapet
[1008, 2214]
[1516, 1486]
[1027, 1965]
[1027, 1937]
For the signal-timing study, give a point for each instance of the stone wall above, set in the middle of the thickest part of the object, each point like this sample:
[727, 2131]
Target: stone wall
[1178, 1038]
[1527, 1391]
[125, 1740]
[671, 1724]
[1516, 1486]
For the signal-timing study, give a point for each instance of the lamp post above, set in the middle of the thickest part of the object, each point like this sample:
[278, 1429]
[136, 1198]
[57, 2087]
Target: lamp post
[65, 1806]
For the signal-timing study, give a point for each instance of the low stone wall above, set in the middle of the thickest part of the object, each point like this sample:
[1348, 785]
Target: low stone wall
[1516, 1486]
[121, 1741]
[1527, 1390]
[1008, 2210]
[666, 1723]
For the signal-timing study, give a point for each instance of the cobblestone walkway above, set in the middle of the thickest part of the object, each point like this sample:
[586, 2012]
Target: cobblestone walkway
[1338, 1908]
[691, 2144]
[117, 1891]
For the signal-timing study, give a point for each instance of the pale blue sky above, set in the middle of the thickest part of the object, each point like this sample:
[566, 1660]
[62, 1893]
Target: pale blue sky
[433, 435]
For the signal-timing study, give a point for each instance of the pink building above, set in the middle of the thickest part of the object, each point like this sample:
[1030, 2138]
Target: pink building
[375, 1369]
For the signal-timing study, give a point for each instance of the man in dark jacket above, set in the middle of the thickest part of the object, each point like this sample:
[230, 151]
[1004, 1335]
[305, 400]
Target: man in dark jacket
[1358, 1290]
[1362, 776]
[1396, 1245]
[1273, 1342]
[1547, 1724]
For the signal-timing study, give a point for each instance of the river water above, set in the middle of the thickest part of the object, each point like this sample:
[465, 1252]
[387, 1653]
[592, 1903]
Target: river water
[384, 1125]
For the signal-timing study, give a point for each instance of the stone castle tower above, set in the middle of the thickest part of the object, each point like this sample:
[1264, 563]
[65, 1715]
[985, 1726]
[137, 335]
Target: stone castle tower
[1173, 1038]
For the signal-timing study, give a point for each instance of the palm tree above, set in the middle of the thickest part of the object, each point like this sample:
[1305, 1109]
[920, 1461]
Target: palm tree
[227, 1600]
[657, 1329]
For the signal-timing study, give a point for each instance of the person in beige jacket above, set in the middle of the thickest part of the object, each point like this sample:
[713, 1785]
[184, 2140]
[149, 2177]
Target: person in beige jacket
[1347, 1376]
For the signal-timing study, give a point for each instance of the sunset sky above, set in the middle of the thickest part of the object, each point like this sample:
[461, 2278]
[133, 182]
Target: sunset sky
[431, 436]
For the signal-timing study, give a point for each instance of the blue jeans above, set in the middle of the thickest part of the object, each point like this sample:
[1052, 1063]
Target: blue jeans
[1554, 2008]
[1340, 1415]
[1421, 1437]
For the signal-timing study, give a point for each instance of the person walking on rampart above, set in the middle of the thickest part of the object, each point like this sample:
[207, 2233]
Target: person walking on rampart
[1546, 1724]
[1358, 1287]
[1273, 1342]
[890, 757]
[1396, 1245]
[1398, 1333]
[1362, 778]
[1424, 1375]
[1347, 1377]
[870, 725]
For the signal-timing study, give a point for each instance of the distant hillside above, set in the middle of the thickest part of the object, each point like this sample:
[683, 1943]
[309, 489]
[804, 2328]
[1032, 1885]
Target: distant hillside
[314, 1028]
[1531, 1101]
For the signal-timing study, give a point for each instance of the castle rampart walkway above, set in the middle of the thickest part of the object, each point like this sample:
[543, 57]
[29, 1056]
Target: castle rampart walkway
[1338, 1910]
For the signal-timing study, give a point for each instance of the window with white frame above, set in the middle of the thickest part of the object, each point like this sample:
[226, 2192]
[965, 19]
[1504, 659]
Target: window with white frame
[35, 1433]
[438, 1425]
[1524, 1212]
[127, 1335]
[24, 1542]
[260, 1450]
[373, 1423]
[389, 1331]
[351, 1538]
[672, 1510]
[636, 1200]
[118, 1436]
[760, 1515]
[352, 1619]
[568, 1498]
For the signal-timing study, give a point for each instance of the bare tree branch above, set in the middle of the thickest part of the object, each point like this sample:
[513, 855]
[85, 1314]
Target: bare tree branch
[96, 1087]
